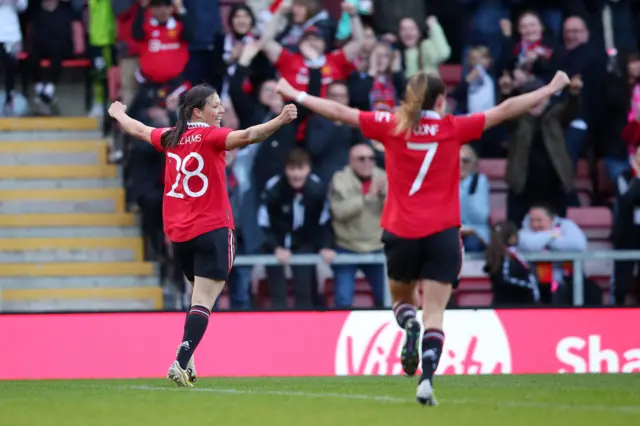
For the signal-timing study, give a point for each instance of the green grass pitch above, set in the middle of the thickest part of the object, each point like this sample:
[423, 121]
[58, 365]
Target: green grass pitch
[563, 400]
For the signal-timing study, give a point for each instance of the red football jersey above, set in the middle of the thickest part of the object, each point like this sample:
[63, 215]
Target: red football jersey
[292, 68]
[195, 200]
[423, 170]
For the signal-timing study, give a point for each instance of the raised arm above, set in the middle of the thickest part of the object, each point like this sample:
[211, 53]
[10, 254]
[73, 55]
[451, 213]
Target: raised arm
[255, 134]
[130, 126]
[271, 48]
[331, 110]
[354, 46]
[518, 105]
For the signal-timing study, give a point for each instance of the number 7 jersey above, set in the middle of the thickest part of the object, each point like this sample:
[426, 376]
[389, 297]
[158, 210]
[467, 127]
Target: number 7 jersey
[195, 198]
[423, 169]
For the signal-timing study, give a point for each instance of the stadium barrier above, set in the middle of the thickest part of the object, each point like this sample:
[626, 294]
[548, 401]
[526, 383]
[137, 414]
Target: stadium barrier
[577, 258]
[334, 343]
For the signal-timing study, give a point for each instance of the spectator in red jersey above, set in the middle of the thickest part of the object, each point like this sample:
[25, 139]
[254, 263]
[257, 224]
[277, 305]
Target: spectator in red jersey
[382, 86]
[163, 30]
[295, 218]
[294, 67]
[531, 55]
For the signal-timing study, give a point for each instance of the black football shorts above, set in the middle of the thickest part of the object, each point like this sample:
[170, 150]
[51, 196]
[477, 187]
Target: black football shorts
[209, 255]
[436, 257]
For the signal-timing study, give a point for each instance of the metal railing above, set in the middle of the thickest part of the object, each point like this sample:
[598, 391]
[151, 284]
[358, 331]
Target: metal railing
[577, 259]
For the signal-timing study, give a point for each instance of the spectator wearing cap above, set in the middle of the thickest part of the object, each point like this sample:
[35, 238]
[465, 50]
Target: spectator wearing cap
[539, 168]
[356, 196]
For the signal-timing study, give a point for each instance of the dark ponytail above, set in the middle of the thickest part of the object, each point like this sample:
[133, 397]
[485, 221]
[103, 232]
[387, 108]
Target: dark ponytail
[194, 98]
[501, 233]
[171, 138]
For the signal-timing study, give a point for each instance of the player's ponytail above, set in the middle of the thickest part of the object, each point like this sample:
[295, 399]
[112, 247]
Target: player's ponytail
[503, 234]
[195, 98]
[422, 92]
[171, 138]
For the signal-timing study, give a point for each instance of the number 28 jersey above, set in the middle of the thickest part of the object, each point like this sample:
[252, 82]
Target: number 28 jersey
[423, 170]
[195, 199]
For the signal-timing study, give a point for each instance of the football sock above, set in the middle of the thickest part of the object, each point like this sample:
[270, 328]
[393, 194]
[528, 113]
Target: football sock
[403, 313]
[432, 342]
[194, 328]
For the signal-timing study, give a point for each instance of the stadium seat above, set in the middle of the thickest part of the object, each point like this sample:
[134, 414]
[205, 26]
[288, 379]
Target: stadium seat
[450, 74]
[474, 299]
[582, 169]
[493, 169]
[591, 217]
[497, 214]
[498, 200]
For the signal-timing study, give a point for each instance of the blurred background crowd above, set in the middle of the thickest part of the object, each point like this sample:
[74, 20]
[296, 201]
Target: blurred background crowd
[561, 178]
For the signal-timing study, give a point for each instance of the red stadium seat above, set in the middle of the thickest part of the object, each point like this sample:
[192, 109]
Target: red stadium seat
[493, 169]
[474, 299]
[591, 217]
[497, 215]
[498, 200]
[450, 74]
[582, 170]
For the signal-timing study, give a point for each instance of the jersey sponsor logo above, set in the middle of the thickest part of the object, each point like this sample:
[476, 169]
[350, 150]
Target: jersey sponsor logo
[382, 117]
[370, 343]
[157, 46]
[426, 130]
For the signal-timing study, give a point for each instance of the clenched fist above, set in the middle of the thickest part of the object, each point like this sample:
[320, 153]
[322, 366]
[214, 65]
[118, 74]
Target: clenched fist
[117, 108]
[560, 81]
[289, 113]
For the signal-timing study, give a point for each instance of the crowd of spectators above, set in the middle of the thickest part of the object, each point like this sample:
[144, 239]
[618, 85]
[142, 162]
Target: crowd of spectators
[319, 187]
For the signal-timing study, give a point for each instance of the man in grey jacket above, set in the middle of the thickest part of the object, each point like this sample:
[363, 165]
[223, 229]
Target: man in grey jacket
[542, 231]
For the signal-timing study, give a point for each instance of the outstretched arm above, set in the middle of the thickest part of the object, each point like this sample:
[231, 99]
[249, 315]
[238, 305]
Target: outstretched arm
[331, 110]
[271, 48]
[354, 46]
[130, 126]
[255, 134]
[518, 105]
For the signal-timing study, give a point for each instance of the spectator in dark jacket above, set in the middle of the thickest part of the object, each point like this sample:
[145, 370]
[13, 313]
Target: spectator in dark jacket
[228, 47]
[626, 227]
[295, 218]
[539, 169]
[206, 24]
[582, 58]
[51, 38]
[328, 142]
[512, 280]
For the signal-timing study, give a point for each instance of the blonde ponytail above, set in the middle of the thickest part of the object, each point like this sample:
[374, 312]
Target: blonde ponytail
[408, 115]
